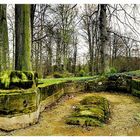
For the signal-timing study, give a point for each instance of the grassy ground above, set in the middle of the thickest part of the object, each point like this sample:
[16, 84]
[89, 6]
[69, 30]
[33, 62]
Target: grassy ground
[51, 81]
[124, 120]
[135, 73]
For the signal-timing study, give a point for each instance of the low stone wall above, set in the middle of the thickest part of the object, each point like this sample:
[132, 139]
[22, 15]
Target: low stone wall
[98, 84]
[49, 90]
[50, 94]
[119, 82]
[74, 87]
[136, 87]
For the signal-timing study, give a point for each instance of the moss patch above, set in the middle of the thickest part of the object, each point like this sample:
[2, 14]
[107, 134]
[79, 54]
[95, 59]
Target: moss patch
[18, 102]
[83, 121]
[91, 111]
[17, 79]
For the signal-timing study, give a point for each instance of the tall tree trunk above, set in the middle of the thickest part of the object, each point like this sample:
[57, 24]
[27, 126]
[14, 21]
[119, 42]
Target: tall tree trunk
[13, 66]
[23, 37]
[49, 48]
[114, 53]
[103, 39]
[74, 55]
[4, 45]
[90, 48]
[32, 14]
[58, 52]
[33, 8]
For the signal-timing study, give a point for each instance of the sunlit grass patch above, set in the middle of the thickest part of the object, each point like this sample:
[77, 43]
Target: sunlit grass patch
[51, 81]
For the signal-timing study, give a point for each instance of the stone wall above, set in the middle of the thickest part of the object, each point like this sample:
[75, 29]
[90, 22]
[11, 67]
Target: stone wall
[18, 108]
[136, 87]
[119, 82]
[19, 99]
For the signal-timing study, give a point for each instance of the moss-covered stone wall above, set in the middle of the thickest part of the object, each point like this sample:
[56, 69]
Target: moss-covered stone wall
[135, 87]
[119, 82]
[18, 102]
[47, 91]
[98, 84]
[16, 106]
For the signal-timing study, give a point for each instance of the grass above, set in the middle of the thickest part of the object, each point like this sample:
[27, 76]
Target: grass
[51, 81]
[134, 73]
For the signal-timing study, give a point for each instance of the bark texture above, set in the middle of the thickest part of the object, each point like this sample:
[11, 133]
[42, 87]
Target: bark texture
[4, 45]
[103, 39]
[23, 37]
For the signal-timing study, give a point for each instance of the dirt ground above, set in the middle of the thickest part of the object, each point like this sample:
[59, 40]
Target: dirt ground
[124, 120]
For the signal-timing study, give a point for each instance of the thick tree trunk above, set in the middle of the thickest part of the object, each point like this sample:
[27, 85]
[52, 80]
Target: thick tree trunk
[4, 45]
[103, 39]
[23, 37]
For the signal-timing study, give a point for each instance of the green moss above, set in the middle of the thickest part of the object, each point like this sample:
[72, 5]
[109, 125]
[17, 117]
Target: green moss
[136, 84]
[92, 111]
[51, 81]
[5, 78]
[119, 82]
[25, 56]
[17, 79]
[50, 90]
[87, 107]
[18, 102]
[135, 92]
[83, 121]
[97, 84]
[96, 100]
[134, 73]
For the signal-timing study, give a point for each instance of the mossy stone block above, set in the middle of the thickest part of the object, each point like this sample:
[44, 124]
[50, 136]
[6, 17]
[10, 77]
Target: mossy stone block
[83, 121]
[18, 102]
[18, 79]
[91, 111]
[135, 92]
